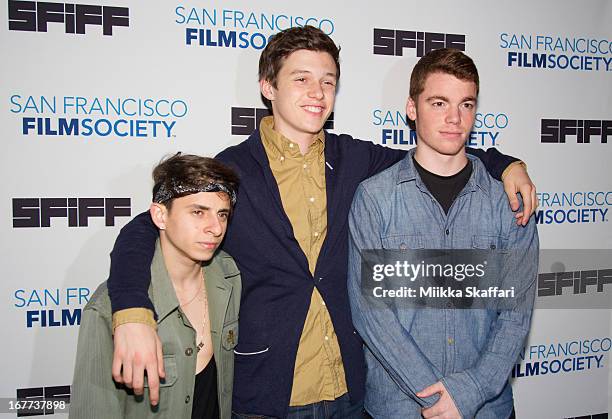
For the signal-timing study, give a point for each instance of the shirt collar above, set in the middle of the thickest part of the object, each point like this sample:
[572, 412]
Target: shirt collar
[277, 145]
[479, 179]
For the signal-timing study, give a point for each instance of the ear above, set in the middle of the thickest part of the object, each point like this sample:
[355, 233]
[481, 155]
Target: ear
[267, 90]
[158, 215]
[411, 109]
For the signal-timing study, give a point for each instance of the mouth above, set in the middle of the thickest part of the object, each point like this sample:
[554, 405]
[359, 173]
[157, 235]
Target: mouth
[452, 134]
[314, 109]
[209, 245]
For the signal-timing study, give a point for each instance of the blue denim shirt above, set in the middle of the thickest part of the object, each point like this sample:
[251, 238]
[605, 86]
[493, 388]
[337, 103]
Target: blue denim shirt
[471, 351]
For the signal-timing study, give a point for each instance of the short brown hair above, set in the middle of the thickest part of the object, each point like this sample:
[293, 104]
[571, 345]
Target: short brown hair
[445, 60]
[186, 174]
[284, 43]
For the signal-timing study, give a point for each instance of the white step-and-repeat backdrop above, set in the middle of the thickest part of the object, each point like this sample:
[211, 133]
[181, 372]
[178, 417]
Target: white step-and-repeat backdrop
[93, 95]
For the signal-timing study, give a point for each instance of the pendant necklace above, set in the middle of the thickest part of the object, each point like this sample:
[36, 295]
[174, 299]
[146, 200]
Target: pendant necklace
[200, 345]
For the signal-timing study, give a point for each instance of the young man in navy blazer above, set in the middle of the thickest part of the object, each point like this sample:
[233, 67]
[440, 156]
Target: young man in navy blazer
[298, 351]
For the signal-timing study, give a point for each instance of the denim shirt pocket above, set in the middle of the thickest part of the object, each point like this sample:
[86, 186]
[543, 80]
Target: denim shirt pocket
[403, 242]
[489, 242]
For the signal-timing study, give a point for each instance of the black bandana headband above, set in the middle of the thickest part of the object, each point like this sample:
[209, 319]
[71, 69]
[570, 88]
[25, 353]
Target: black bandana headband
[164, 194]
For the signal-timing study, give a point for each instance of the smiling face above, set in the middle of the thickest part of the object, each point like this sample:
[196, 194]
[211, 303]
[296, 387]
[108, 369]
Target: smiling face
[304, 94]
[194, 227]
[444, 113]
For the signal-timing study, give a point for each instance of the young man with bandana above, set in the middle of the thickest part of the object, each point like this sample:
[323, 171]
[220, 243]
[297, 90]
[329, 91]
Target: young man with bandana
[195, 291]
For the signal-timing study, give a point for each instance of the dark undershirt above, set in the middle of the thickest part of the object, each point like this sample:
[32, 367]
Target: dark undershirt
[205, 400]
[444, 188]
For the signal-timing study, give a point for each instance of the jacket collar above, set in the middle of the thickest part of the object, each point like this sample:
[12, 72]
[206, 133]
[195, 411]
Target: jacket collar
[218, 288]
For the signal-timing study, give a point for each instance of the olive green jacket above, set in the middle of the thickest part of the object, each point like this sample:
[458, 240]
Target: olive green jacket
[95, 394]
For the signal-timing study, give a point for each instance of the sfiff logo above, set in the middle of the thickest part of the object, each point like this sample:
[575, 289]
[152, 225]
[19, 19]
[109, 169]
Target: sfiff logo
[35, 16]
[38, 212]
[580, 131]
[394, 41]
[49, 397]
[246, 120]
[575, 282]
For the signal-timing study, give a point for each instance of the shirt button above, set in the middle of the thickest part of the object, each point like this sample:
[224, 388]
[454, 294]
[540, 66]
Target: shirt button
[189, 351]
[305, 166]
[447, 231]
[311, 199]
[187, 399]
[290, 145]
[403, 246]
[493, 247]
[451, 341]
[316, 234]
[326, 337]
[282, 158]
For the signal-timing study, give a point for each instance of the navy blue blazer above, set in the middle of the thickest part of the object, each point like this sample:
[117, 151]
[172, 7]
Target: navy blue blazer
[276, 283]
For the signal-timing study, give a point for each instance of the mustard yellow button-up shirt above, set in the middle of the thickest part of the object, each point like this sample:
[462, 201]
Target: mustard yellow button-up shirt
[319, 372]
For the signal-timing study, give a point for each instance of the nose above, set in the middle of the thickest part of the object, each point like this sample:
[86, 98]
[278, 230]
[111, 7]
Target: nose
[214, 226]
[453, 115]
[315, 91]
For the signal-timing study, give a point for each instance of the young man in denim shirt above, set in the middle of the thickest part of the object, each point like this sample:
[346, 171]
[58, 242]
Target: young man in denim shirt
[439, 363]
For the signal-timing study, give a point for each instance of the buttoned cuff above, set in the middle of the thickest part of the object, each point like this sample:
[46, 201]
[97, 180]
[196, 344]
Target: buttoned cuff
[465, 392]
[134, 315]
[512, 166]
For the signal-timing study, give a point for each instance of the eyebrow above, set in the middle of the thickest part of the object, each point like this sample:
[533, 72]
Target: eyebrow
[445, 99]
[205, 208]
[200, 207]
[295, 72]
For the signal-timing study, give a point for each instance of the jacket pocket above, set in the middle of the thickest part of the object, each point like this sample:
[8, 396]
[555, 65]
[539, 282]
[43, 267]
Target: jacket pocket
[171, 372]
[402, 242]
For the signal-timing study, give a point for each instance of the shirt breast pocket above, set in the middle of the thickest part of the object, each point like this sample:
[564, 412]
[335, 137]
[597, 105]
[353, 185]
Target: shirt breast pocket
[489, 242]
[403, 242]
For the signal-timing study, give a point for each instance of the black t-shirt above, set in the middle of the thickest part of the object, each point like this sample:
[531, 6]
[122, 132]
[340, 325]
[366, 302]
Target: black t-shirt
[205, 396]
[444, 188]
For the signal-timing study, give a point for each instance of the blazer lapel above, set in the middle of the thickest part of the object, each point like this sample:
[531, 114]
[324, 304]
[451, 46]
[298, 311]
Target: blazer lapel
[281, 220]
[334, 197]
[275, 214]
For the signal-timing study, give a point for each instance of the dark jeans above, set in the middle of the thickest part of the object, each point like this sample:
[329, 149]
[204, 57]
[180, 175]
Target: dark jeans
[341, 408]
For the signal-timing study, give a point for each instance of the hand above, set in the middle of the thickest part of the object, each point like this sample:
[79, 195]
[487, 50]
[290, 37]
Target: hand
[138, 349]
[517, 180]
[444, 408]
